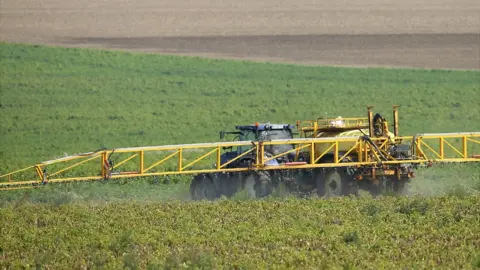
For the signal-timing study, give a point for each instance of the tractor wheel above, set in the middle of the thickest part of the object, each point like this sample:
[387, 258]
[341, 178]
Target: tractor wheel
[258, 185]
[333, 183]
[389, 185]
[227, 184]
[202, 187]
[320, 182]
[304, 183]
[264, 186]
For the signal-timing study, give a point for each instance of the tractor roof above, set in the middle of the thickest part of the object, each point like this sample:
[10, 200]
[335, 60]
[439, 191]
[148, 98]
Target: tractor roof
[266, 126]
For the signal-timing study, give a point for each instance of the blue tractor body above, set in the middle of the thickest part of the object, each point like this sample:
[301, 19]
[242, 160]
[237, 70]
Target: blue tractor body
[255, 133]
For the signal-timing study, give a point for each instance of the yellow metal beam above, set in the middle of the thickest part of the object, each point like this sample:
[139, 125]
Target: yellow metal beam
[159, 162]
[430, 148]
[289, 151]
[472, 140]
[324, 153]
[365, 154]
[199, 159]
[348, 152]
[73, 166]
[219, 158]
[142, 161]
[124, 161]
[39, 172]
[453, 148]
[442, 150]
[237, 157]
[17, 171]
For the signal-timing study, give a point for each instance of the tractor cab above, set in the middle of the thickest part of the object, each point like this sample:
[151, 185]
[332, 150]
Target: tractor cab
[255, 133]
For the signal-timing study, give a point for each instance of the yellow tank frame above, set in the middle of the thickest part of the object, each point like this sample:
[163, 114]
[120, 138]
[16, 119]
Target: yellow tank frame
[427, 149]
[311, 128]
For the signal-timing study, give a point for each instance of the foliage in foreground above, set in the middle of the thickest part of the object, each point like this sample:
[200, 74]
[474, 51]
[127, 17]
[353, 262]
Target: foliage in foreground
[365, 233]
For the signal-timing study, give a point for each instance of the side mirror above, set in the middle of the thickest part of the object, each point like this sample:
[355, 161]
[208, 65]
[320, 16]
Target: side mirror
[222, 135]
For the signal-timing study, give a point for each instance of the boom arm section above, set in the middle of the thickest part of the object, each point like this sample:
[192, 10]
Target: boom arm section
[355, 152]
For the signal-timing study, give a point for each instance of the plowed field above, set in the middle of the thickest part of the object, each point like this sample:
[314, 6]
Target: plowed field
[426, 34]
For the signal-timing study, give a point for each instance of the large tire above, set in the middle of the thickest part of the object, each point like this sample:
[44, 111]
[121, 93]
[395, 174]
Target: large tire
[249, 186]
[258, 185]
[320, 182]
[203, 188]
[333, 183]
[304, 182]
[264, 186]
[227, 184]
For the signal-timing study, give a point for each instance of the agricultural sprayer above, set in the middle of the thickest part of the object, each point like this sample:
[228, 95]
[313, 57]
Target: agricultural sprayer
[327, 156]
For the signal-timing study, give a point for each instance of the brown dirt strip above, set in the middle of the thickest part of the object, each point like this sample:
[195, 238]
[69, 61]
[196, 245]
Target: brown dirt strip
[409, 33]
[457, 51]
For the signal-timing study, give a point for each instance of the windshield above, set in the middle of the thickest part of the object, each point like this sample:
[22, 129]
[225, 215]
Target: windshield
[268, 136]
[278, 134]
[247, 136]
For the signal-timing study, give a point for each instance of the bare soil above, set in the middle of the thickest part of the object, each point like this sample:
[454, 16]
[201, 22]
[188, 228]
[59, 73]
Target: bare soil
[423, 34]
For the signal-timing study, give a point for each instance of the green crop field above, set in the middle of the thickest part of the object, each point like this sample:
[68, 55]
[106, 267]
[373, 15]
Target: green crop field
[58, 101]
[364, 233]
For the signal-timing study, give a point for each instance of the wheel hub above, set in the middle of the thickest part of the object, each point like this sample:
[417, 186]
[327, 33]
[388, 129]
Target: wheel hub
[333, 184]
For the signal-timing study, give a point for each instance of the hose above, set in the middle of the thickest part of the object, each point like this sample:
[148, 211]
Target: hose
[369, 141]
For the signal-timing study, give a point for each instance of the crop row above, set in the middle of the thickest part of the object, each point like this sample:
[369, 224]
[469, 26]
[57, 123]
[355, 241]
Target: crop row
[366, 233]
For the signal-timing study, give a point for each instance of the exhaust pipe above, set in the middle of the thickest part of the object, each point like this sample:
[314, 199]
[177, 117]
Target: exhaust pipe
[395, 120]
[370, 121]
